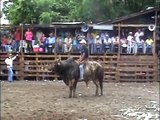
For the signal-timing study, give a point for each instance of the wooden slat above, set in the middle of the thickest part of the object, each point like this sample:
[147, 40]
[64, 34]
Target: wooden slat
[115, 67]
[135, 74]
[140, 69]
[136, 80]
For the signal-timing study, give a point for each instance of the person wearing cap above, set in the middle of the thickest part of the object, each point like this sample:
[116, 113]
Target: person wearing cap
[98, 44]
[130, 43]
[9, 62]
[83, 57]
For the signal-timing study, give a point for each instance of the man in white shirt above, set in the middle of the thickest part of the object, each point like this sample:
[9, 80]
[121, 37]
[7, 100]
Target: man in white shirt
[138, 34]
[9, 62]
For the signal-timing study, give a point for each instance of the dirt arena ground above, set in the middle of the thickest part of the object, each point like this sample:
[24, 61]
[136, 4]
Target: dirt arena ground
[48, 100]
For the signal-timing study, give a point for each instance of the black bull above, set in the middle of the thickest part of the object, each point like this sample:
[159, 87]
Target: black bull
[70, 73]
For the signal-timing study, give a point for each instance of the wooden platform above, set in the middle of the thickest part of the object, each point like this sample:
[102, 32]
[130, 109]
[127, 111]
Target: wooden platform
[117, 68]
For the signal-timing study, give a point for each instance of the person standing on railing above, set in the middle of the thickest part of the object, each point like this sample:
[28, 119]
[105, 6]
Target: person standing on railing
[29, 37]
[9, 62]
[17, 39]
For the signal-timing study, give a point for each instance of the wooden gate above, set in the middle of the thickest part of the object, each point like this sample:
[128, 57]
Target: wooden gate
[137, 68]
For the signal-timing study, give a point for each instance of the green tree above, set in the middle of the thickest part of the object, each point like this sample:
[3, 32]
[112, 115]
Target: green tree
[46, 11]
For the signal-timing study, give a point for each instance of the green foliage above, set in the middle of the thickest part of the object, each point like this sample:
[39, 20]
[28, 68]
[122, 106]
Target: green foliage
[46, 11]
[45, 18]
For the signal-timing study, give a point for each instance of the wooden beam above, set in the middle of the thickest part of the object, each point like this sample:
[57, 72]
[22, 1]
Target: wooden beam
[132, 25]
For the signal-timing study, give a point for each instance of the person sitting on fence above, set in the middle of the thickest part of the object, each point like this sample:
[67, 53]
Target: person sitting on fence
[149, 45]
[4, 43]
[50, 42]
[9, 62]
[68, 43]
[9, 44]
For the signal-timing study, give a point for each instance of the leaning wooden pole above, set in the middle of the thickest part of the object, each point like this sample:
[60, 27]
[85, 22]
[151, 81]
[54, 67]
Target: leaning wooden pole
[154, 46]
[119, 45]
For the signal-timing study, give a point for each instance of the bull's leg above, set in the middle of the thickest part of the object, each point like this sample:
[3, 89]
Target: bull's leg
[101, 86]
[70, 92]
[70, 88]
[87, 82]
[95, 82]
[74, 88]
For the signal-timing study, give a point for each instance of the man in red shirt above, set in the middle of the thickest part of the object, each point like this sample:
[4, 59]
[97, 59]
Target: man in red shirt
[17, 39]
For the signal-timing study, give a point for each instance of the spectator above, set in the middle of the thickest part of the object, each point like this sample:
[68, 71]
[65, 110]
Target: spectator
[90, 41]
[68, 43]
[130, 42]
[124, 45]
[140, 45]
[29, 37]
[59, 45]
[50, 42]
[98, 44]
[75, 45]
[107, 43]
[115, 44]
[138, 34]
[9, 62]
[149, 45]
[17, 35]
[7, 43]
[42, 42]
[4, 43]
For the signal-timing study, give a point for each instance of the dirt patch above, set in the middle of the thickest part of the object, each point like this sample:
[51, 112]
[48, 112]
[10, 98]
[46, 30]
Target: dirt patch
[39, 100]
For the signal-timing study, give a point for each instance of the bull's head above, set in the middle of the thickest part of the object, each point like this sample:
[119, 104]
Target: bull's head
[55, 65]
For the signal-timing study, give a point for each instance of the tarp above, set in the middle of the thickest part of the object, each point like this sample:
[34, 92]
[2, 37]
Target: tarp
[103, 27]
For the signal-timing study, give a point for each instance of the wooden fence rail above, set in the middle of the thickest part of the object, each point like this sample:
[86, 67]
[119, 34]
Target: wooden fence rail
[117, 68]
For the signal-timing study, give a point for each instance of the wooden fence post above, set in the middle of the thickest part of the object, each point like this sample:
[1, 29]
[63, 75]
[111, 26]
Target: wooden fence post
[21, 66]
[37, 67]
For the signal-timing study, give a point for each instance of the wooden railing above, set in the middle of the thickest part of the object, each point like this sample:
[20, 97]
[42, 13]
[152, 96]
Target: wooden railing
[117, 68]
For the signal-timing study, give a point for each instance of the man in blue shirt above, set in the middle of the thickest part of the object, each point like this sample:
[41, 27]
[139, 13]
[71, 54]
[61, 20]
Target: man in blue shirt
[51, 40]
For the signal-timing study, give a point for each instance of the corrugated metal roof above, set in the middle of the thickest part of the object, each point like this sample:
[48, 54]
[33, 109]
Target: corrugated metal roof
[120, 19]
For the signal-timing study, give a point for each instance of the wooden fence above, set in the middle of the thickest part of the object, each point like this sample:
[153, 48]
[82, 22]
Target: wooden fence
[158, 67]
[117, 68]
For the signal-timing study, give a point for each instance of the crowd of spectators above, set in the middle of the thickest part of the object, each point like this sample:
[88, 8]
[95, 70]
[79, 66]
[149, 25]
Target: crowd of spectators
[98, 43]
